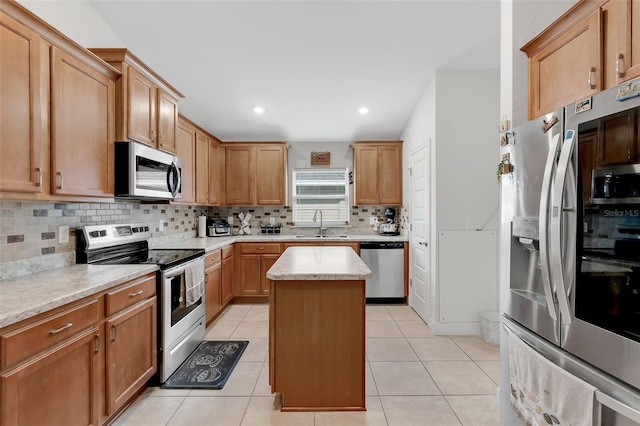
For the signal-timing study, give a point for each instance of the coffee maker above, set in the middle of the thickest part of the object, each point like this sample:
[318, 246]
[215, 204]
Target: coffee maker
[390, 227]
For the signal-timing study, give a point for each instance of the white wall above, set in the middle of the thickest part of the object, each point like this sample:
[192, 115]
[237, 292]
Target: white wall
[300, 154]
[76, 19]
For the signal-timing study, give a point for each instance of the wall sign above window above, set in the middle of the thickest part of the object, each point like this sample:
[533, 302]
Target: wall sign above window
[320, 158]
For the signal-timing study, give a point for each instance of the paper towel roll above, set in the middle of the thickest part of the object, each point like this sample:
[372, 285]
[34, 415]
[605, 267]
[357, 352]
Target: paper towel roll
[202, 226]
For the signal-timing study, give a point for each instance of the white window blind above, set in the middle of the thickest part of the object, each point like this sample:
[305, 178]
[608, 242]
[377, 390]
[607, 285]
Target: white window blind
[324, 189]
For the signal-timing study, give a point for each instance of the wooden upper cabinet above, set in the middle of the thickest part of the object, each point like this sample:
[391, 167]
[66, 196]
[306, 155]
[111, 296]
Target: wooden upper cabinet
[146, 104]
[214, 173]
[256, 173]
[271, 171]
[378, 173]
[167, 121]
[141, 108]
[21, 162]
[186, 150]
[202, 168]
[82, 128]
[632, 68]
[615, 44]
[240, 175]
[566, 69]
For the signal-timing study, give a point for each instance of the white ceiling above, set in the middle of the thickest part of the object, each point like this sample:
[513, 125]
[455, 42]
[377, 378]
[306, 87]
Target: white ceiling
[311, 64]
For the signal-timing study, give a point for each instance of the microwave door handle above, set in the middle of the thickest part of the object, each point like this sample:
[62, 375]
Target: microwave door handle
[170, 177]
[544, 217]
[557, 211]
[178, 180]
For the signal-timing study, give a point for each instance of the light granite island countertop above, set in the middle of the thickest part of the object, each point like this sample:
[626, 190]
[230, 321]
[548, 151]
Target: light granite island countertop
[319, 263]
[317, 329]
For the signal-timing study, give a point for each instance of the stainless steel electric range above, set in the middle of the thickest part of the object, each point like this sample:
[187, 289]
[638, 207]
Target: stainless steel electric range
[181, 327]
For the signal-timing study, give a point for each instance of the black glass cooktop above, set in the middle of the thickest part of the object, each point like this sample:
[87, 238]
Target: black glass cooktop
[164, 258]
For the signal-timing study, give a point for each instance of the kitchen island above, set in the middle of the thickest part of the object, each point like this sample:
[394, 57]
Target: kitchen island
[317, 329]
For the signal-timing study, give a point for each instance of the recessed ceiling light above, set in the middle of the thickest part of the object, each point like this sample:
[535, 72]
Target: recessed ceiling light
[363, 110]
[258, 109]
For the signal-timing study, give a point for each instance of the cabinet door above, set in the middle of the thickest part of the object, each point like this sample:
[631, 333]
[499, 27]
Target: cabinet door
[202, 169]
[141, 120]
[632, 69]
[249, 282]
[186, 150]
[227, 280]
[213, 292]
[615, 44]
[60, 388]
[21, 104]
[270, 175]
[131, 352]
[214, 173]
[267, 262]
[167, 121]
[240, 175]
[618, 139]
[587, 155]
[82, 128]
[566, 70]
[366, 174]
[390, 174]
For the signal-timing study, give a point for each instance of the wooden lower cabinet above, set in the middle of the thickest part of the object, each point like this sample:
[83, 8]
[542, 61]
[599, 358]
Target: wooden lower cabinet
[227, 275]
[213, 291]
[254, 260]
[131, 351]
[60, 387]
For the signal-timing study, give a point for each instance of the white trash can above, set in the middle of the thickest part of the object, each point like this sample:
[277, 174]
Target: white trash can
[490, 327]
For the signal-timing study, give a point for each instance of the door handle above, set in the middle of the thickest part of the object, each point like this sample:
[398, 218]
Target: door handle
[423, 243]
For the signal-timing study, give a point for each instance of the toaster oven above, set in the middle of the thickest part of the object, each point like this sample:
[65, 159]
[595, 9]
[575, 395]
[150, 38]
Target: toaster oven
[218, 228]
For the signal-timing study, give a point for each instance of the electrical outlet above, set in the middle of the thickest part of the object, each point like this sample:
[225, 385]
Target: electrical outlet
[272, 221]
[504, 125]
[506, 157]
[63, 234]
[373, 220]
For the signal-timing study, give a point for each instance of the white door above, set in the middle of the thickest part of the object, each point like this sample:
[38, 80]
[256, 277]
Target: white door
[419, 238]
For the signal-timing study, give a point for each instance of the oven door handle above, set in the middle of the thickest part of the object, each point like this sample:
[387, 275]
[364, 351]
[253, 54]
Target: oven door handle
[179, 270]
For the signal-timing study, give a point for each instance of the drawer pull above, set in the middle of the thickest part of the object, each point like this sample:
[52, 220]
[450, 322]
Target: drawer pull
[64, 327]
[260, 248]
[137, 293]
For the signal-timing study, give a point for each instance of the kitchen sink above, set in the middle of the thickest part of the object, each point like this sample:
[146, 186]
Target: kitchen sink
[314, 237]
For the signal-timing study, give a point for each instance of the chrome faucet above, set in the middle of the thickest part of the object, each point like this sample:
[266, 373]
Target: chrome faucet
[315, 217]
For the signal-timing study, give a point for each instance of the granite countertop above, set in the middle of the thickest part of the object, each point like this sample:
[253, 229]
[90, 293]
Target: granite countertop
[213, 243]
[29, 295]
[319, 263]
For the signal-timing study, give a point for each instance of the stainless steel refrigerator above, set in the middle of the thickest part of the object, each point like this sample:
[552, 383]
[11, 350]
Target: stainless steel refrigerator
[570, 247]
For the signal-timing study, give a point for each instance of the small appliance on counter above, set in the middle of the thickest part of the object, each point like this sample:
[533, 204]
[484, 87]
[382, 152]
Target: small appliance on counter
[390, 227]
[270, 229]
[218, 228]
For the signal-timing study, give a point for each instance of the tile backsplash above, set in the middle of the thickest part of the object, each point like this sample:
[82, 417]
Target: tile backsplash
[29, 229]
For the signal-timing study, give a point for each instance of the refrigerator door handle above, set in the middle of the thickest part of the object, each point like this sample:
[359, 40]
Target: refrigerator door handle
[618, 406]
[557, 210]
[549, 169]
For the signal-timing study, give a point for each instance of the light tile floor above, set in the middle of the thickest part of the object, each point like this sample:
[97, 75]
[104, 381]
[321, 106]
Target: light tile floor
[412, 378]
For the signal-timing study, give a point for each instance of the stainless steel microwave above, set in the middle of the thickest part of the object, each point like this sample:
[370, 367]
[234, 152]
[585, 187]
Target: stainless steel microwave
[143, 172]
[616, 185]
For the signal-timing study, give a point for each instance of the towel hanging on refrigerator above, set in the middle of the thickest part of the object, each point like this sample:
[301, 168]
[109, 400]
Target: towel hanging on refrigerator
[544, 394]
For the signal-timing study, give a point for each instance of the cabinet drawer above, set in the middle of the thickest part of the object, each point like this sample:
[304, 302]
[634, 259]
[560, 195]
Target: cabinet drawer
[227, 252]
[32, 339]
[259, 248]
[212, 258]
[131, 294]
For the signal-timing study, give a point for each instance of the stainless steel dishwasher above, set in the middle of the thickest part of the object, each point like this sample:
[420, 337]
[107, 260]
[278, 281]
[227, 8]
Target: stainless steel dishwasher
[386, 261]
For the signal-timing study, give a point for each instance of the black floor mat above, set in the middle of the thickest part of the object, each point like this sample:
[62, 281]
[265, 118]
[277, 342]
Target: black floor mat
[209, 366]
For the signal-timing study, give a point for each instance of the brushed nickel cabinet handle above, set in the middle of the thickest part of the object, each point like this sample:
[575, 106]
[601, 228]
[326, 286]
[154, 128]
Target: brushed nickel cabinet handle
[619, 69]
[161, 140]
[113, 333]
[137, 293]
[38, 176]
[260, 248]
[64, 327]
[60, 180]
[591, 84]
[97, 339]
[153, 135]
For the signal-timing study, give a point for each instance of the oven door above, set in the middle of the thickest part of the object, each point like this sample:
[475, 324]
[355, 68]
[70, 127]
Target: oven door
[177, 317]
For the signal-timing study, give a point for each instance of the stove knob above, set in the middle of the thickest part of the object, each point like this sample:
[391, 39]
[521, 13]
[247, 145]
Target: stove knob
[94, 234]
[146, 229]
[103, 233]
[135, 229]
